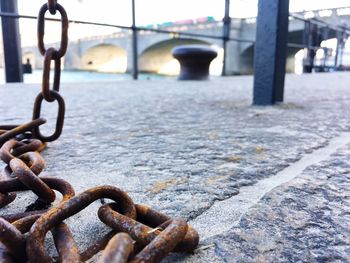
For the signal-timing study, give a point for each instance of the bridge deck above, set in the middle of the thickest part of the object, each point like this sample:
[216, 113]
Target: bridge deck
[200, 151]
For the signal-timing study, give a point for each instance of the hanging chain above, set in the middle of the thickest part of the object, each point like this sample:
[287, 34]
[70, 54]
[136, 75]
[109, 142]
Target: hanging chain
[51, 5]
[138, 233]
[51, 54]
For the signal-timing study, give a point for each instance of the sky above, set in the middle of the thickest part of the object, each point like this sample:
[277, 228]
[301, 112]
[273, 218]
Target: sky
[147, 11]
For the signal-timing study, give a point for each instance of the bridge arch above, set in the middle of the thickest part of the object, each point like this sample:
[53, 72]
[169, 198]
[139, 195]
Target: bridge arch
[247, 60]
[157, 58]
[105, 58]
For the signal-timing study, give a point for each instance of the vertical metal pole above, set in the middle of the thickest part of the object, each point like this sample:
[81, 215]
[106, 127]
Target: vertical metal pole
[135, 70]
[307, 44]
[226, 34]
[339, 39]
[311, 40]
[325, 33]
[341, 51]
[270, 51]
[11, 43]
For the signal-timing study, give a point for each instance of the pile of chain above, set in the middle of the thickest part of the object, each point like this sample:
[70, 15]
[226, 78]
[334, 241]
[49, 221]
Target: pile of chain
[138, 233]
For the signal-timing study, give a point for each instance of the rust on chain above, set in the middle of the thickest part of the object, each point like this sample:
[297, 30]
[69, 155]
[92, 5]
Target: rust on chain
[155, 219]
[32, 145]
[24, 224]
[15, 217]
[13, 240]
[148, 225]
[118, 249]
[6, 198]
[96, 247]
[60, 116]
[66, 246]
[48, 57]
[64, 30]
[164, 243]
[34, 161]
[5, 151]
[7, 127]
[62, 186]
[141, 233]
[150, 235]
[12, 237]
[36, 237]
[32, 181]
[35, 123]
[15, 185]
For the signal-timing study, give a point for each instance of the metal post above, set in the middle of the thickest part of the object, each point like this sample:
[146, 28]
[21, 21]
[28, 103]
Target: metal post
[226, 34]
[338, 61]
[337, 51]
[270, 51]
[325, 36]
[307, 43]
[135, 71]
[311, 40]
[341, 51]
[11, 43]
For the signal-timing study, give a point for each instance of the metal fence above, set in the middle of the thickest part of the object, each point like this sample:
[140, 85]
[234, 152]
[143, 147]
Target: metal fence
[309, 44]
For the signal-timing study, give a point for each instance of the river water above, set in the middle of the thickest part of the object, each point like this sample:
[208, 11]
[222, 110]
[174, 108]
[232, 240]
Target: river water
[81, 76]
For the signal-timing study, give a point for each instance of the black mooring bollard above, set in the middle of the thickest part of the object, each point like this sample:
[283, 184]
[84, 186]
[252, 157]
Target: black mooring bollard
[194, 61]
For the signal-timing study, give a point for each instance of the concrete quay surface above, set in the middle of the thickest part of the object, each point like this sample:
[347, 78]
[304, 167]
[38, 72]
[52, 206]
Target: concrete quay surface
[260, 184]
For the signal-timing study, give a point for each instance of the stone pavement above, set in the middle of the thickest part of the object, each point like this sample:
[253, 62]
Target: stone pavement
[261, 184]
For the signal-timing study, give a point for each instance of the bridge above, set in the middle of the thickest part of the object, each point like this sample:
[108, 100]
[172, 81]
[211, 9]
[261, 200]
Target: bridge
[113, 53]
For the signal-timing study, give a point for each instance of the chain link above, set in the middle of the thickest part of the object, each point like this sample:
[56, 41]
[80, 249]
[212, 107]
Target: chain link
[51, 5]
[60, 116]
[64, 30]
[50, 54]
[148, 235]
[48, 57]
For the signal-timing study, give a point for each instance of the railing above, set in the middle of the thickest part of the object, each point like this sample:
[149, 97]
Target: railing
[313, 38]
[224, 37]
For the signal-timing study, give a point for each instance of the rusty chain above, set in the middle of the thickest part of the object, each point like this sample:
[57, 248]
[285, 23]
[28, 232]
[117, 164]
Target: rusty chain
[138, 233]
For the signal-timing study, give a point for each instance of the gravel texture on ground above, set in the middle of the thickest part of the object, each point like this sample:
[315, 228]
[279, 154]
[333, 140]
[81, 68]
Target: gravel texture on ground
[181, 146]
[305, 220]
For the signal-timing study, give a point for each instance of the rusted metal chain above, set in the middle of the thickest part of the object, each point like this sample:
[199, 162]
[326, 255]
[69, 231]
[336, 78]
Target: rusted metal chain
[164, 243]
[13, 240]
[32, 145]
[97, 246]
[50, 54]
[64, 28]
[48, 57]
[33, 182]
[148, 235]
[67, 248]
[141, 233]
[118, 249]
[60, 116]
[35, 245]
[155, 219]
[15, 185]
[6, 199]
[35, 123]
[51, 5]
